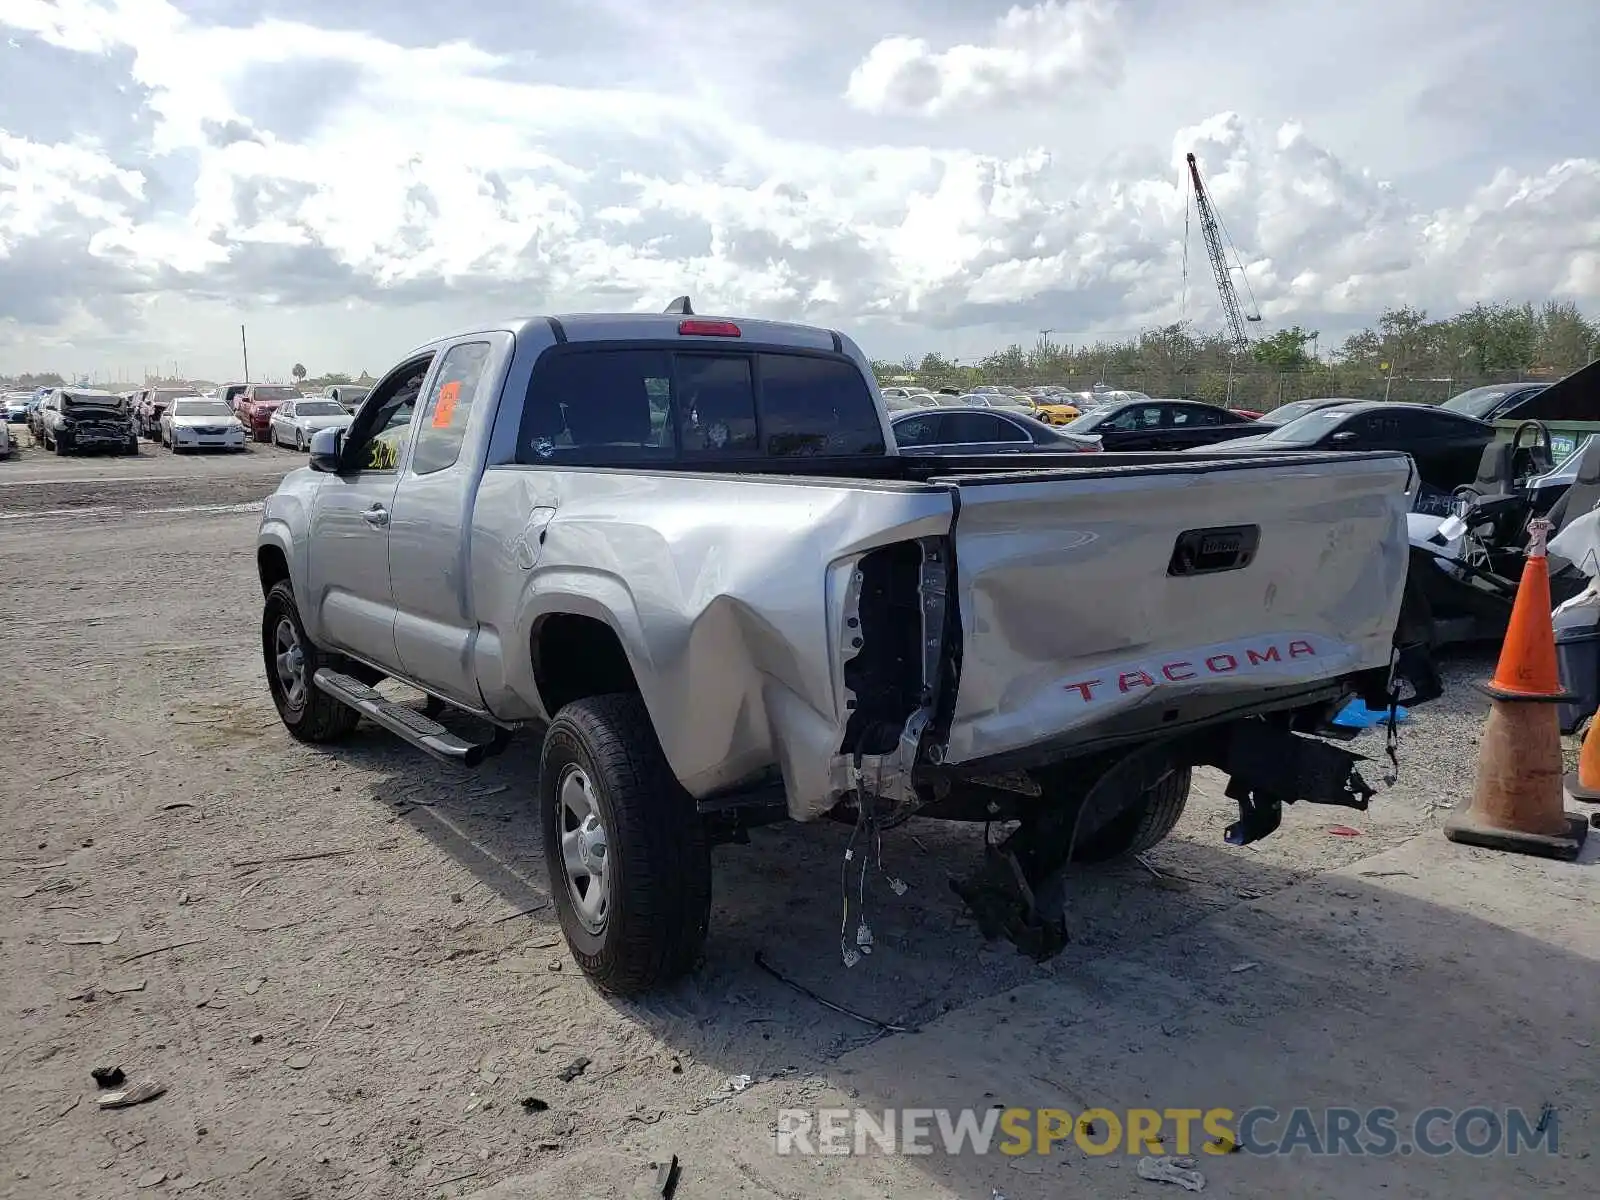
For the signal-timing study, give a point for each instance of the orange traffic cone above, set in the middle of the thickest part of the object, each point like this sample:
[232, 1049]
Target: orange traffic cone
[1584, 783]
[1517, 801]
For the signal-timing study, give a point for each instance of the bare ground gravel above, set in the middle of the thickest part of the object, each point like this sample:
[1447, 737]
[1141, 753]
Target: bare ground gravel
[343, 966]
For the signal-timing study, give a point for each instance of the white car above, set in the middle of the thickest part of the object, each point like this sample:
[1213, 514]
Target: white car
[296, 420]
[196, 423]
[5, 440]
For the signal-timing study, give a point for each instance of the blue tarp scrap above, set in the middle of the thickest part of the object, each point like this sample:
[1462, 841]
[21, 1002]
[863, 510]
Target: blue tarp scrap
[1356, 715]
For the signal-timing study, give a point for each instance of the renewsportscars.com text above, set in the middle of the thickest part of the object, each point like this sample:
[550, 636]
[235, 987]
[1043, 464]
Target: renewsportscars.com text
[1377, 1132]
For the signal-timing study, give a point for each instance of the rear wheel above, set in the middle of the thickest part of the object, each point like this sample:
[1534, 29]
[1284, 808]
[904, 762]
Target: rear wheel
[629, 865]
[1141, 825]
[309, 714]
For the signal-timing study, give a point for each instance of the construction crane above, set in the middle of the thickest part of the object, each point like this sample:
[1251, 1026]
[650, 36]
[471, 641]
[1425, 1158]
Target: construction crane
[1211, 229]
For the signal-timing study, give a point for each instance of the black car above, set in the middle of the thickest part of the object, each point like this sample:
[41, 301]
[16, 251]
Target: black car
[1446, 446]
[973, 430]
[1494, 402]
[1161, 425]
[1285, 413]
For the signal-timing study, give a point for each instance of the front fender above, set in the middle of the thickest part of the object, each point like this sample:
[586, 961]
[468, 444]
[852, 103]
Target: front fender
[285, 526]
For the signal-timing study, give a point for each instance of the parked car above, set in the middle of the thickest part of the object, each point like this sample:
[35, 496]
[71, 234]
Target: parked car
[1446, 446]
[198, 423]
[1057, 409]
[1295, 409]
[87, 419]
[5, 439]
[348, 395]
[982, 431]
[232, 394]
[1161, 425]
[15, 408]
[36, 416]
[258, 402]
[296, 420]
[1493, 402]
[757, 609]
[149, 406]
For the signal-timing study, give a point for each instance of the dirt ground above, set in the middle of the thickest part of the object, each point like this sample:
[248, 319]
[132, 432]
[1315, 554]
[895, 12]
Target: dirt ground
[344, 969]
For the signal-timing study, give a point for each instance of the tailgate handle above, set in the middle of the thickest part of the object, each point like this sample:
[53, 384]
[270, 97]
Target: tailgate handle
[1209, 551]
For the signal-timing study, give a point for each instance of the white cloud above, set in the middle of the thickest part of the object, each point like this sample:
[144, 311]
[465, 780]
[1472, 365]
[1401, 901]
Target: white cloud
[285, 175]
[1035, 53]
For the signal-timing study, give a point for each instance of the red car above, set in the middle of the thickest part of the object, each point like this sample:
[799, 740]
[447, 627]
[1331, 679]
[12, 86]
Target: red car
[1248, 413]
[258, 403]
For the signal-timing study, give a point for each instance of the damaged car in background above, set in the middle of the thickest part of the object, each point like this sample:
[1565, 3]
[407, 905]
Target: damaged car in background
[689, 551]
[73, 419]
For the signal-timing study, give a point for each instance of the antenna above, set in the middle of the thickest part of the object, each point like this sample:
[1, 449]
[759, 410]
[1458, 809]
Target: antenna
[680, 307]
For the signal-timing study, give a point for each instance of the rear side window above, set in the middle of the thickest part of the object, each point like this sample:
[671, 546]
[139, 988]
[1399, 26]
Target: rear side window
[655, 404]
[609, 404]
[816, 406]
[449, 408]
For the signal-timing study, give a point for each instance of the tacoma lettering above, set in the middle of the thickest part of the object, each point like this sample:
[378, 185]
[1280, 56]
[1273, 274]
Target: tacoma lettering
[1084, 689]
[1183, 669]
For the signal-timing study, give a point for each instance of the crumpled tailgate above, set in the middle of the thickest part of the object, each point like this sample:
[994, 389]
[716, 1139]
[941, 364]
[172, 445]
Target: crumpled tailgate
[1077, 604]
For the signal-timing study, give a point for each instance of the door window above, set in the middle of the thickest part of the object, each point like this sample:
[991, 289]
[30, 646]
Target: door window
[921, 430]
[981, 427]
[1135, 418]
[377, 437]
[1185, 417]
[449, 407]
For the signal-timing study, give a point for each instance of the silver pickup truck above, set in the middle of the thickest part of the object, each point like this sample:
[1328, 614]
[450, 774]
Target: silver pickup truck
[688, 550]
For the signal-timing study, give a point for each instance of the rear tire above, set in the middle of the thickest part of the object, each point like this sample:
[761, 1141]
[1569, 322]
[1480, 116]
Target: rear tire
[651, 922]
[1142, 824]
[308, 713]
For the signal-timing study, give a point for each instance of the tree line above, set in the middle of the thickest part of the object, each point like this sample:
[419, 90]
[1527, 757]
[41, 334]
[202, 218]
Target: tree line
[1405, 356]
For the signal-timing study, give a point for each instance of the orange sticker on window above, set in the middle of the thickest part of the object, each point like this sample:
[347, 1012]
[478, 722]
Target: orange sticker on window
[442, 411]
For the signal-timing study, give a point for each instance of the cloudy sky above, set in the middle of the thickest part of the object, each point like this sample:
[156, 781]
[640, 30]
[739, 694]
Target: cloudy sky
[351, 178]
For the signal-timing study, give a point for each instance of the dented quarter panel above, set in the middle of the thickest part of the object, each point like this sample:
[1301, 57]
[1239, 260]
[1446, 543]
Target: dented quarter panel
[726, 593]
[1067, 607]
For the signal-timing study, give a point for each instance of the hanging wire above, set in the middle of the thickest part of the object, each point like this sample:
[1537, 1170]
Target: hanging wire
[1238, 262]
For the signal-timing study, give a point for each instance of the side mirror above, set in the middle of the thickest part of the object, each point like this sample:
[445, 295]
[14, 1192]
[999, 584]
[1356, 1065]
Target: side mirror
[1344, 435]
[327, 447]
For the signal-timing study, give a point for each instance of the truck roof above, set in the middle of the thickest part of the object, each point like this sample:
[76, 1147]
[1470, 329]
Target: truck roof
[615, 327]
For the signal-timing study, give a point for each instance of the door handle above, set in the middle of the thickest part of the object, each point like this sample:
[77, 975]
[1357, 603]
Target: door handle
[376, 515]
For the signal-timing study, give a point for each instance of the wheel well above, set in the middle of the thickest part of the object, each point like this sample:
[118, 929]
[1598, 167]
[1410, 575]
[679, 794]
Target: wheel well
[271, 566]
[575, 657]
